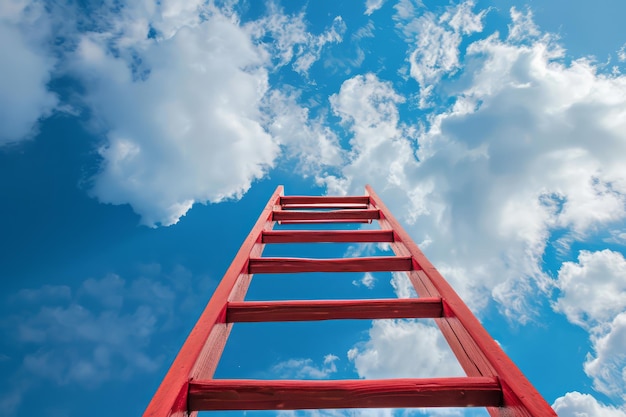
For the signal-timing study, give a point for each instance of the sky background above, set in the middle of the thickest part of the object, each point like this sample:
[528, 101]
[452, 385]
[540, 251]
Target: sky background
[139, 141]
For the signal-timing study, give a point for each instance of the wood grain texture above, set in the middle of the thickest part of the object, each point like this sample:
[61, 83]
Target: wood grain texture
[324, 206]
[520, 397]
[306, 199]
[312, 310]
[295, 265]
[337, 221]
[313, 236]
[368, 214]
[169, 400]
[296, 395]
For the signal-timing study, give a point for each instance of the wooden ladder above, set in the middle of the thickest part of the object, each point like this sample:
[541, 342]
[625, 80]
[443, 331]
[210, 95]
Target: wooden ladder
[492, 380]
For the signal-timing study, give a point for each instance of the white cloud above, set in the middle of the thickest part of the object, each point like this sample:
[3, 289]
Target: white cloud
[189, 131]
[368, 280]
[404, 349]
[616, 236]
[593, 291]
[367, 108]
[402, 286]
[306, 368]
[310, 142]
[522, 27]
[291, 42]
[372, 5]
[621, 54]
[187, 112]
[531, 146]
[575, 404]
[434, 41]
[593, 296]
[607, 366]
[26, 65]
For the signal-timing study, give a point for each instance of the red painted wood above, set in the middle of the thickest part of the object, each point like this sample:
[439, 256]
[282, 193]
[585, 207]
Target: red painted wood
[297, 395]
[310, 310]
[309, 236]
[520, 397]
[292, 265]
[171, 399]
[370, 214]
[325, 221]
[306, 199]
[471, 359]
[324, 206]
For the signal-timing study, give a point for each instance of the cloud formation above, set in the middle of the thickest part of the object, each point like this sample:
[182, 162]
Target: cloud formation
[306, 368]
[530, 147]
[404, 349]
[101, 331]
[434, 41]
[188, 131]
[27, 67]
[575, 404]
[593, 296]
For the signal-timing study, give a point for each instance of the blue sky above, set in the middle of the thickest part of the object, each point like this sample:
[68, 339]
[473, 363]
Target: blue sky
[140, 140]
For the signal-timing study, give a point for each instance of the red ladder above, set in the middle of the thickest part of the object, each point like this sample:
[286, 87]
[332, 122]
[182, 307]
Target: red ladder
[492, 380]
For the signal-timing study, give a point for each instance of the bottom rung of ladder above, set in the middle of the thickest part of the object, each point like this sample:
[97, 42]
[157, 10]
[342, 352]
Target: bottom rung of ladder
[383, 393]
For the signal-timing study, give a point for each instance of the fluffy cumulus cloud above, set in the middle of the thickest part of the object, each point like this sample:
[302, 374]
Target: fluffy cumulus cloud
[593, 295]
[592, 290]
[178, 90]
[575, 404]
[27, 65]
[367, 107]
[392, 352]
[184, 122]
[181, 92]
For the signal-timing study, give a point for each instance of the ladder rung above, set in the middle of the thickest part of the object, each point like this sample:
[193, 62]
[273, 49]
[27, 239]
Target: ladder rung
[324, 206]
[385, 393]
[313, 310]
[324, 221]
[306, 199]
[290, 265]
[371, 214]
[308, 236]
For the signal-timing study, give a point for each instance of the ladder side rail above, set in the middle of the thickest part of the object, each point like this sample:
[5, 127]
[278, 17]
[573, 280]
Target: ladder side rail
[520, 397]
[171, 398]
[207, 361]
[209, 357]
[472, 360]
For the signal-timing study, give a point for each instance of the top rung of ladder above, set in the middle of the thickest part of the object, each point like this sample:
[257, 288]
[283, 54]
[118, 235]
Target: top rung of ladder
[314, 209]
[331, 202]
